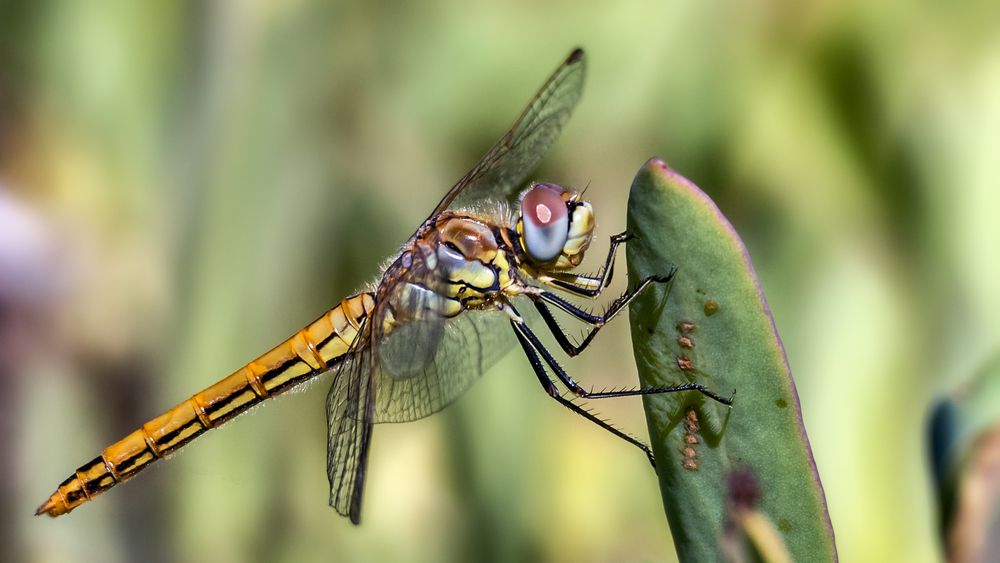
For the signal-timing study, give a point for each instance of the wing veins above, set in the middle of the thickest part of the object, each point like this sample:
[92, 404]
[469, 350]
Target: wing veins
[539, 109]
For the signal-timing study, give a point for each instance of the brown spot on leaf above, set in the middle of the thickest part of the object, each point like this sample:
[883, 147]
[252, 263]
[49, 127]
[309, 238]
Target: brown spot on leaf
[685, 342]
[691, 422]
[685, 326]
[780, 403]
[685, 363]
[711, 308]
[690, 451]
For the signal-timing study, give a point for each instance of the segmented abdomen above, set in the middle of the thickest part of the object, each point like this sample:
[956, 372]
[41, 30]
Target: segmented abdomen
[310, 352]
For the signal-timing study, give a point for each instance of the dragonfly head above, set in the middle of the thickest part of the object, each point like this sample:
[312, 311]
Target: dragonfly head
[555, 226]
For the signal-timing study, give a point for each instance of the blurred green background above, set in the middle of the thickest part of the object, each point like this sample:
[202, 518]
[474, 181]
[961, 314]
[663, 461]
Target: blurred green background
[184, 184]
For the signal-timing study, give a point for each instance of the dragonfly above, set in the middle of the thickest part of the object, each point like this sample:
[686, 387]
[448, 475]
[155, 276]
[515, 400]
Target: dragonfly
[444, 310]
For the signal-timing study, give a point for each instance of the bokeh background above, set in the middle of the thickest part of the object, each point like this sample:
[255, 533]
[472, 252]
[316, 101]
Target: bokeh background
[184, 184]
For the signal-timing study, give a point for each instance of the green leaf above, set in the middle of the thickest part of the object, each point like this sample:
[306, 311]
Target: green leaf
[965, 451]
[712, 326]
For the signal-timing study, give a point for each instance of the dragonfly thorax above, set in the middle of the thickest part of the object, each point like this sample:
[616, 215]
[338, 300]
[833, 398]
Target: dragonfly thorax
[455, 264]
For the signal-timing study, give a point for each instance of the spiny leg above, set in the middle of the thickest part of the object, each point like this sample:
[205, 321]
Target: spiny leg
[525, 332]
[553, 391]
[598, 321]
[589, 286]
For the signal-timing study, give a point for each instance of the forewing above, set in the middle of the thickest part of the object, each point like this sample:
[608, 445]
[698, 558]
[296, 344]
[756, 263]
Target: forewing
[501, 171]
[350, 415]
[427, 364]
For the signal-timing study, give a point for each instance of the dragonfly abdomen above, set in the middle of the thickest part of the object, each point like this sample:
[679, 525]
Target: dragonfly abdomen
[308, 353]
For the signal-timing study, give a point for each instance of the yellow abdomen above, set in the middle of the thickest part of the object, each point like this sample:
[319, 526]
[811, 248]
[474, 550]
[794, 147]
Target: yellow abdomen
[310, 352]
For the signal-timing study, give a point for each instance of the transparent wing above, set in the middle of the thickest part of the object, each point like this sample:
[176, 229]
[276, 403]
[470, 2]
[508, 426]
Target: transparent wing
[427, 364]
[501, 171]
[350, 415]
[417, 369]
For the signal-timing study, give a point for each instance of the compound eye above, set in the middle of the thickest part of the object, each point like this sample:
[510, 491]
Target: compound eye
[545, 222]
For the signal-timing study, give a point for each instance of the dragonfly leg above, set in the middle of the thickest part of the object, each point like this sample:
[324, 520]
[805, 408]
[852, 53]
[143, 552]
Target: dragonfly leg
[525, 332]
[598, 321]
[553, 391]
[590, 286]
